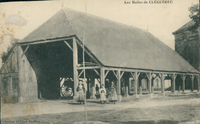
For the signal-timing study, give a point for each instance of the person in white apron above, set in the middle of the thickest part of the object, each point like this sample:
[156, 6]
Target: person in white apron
[81, 93]
[102, 93]
[112, 94]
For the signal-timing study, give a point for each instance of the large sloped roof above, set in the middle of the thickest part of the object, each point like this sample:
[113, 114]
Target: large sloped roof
[113, 44]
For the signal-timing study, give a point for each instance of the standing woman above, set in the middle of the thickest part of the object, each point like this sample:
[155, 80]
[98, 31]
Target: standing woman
[102, 92]
[112, 94]
[97, 91]
[81, 93]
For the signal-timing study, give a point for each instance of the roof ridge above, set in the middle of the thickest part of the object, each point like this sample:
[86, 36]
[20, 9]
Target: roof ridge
[70, 22]
[112, 21]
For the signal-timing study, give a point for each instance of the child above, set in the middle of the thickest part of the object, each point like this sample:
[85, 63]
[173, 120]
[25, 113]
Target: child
[102, 92]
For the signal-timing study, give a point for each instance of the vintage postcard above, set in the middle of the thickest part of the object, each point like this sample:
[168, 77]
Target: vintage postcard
[100, 61]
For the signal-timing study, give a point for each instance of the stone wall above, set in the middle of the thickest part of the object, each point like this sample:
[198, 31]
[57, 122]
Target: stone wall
[27, 79]
[17, 78]
[9, 79]
[187, 45]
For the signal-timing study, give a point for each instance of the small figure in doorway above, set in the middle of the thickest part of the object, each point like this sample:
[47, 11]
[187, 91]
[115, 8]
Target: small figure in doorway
[97, 91]
[81, 93]
[123, 89]
[102, 92]
[112, 94]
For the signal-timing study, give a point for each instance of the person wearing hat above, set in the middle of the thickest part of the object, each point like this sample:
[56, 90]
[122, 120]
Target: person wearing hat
[112, 93]
[81, 92]
[102, 92]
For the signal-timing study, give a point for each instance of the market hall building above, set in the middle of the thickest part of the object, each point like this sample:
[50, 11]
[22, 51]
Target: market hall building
[129, 56]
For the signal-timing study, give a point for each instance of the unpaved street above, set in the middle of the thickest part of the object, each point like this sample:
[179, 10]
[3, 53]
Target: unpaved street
[167, 110]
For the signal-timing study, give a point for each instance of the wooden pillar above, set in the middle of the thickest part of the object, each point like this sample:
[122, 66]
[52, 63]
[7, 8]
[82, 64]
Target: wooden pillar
[198, 88]
[162, 85]
[119, 96]
[173, 83]
[162, 77]
[149, 76]
[192, 85]
[183, 78]
[140, 90]
[92, 84]
[88, 88]
[75, 63]
[1, 86]
[126, 85]
[136, 75]
[102, 76]
[149, 86]
[10, 86]
[20, 72]
[135, 84]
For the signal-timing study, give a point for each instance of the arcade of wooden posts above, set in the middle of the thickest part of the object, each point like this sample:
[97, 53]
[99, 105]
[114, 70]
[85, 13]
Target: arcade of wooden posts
[119, 73]
[101, 72]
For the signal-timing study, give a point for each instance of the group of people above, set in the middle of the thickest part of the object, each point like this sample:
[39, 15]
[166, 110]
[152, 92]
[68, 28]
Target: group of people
[109, 93]
[102, 92]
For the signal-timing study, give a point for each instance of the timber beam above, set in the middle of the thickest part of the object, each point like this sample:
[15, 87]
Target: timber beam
[44, 41]
[89, 53]
[115, 73]
[106, 74]
[89, 67]
[80, 73]
[96, 72]
[25, 51]
[148, 71]
[68, 45]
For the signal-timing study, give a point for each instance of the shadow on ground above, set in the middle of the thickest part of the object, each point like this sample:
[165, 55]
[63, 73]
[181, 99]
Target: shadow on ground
[147, 122]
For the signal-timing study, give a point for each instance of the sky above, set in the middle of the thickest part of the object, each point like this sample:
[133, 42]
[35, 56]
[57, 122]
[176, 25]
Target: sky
[159, 19]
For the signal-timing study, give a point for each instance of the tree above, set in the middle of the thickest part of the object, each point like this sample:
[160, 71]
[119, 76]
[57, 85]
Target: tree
[5, 55]
[194, 13]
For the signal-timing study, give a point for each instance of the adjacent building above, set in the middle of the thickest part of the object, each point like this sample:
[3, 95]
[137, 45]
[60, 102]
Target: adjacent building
[187, 43]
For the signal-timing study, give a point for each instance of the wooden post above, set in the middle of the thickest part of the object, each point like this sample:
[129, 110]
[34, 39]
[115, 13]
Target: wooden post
[75, 63]
[119, 96]
[136, 75]
[150, 81]
[1, 84]
[152, 90]
[192, 87]
[126, 85]
[198, 88]
[173, 83]
[102, 76]
[10, 84]
[20, 72]
[140, 90]
[179, 89]
[183, 78]
[92, 83]
[162, 83]
[88, 88]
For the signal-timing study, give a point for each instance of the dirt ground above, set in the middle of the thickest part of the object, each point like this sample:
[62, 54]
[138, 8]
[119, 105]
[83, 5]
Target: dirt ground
[161, 114]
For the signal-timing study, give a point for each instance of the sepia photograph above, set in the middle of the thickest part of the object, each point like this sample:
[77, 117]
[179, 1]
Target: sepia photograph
[100, 62]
